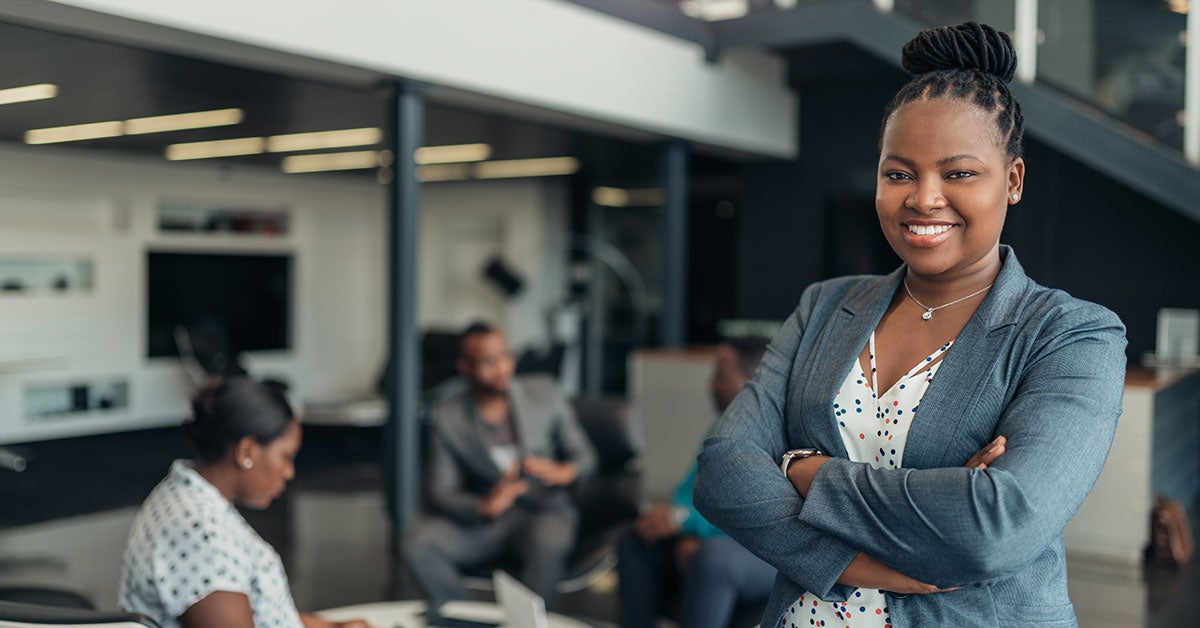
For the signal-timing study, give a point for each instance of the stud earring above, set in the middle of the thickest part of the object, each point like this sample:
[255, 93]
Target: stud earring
[248, 463]
[1016, 197]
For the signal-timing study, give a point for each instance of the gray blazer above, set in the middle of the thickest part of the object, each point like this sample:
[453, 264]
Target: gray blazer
[1042, 368]
[460, 471]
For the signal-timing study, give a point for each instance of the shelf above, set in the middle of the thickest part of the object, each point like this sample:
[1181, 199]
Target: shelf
[45, 275]
[177, 216]
[75, 399]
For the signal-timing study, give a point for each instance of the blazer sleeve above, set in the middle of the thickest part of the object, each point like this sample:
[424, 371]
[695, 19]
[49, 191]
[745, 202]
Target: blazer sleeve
[573, 442]
[741, 490]
[445, 482]
[986, 525]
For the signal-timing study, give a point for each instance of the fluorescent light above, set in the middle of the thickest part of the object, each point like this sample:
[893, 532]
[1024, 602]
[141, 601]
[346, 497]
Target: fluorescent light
[452, 154]
[26, 93]
[515, 168]
[714, 10]
[356, 160]
[324, 139]
[74, 132]
[443, 172]
[618, 197]
[216, 148]
[181, 121]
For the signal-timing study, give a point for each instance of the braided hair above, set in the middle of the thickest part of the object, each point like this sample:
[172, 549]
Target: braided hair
[972, 62]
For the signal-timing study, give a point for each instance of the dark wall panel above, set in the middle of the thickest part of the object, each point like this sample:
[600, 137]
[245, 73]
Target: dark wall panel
[1075, 228]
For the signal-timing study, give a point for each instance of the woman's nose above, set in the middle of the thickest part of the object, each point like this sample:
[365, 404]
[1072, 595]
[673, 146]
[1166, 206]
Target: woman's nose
[926, 198]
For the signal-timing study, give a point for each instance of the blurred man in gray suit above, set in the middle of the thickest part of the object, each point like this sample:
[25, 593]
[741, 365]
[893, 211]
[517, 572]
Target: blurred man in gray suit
[500, 458]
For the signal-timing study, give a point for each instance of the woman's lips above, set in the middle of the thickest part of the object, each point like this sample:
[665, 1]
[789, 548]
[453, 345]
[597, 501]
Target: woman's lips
[925, 236]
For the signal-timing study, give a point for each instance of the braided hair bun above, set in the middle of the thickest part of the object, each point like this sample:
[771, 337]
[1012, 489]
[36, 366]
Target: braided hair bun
[969, 62]
[969, 46]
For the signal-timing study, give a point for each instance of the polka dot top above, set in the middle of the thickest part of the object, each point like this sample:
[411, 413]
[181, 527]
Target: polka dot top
[187, 542]
[874, 430]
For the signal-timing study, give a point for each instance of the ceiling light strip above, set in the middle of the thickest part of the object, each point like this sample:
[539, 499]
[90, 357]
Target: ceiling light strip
[324, 162]
[182, 121]
[324, 139]
[74, 132]
[216, 148]
[452, 153]
[28, 93]
[519, 168]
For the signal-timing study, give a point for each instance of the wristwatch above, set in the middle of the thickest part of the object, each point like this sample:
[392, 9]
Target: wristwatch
[797, 454]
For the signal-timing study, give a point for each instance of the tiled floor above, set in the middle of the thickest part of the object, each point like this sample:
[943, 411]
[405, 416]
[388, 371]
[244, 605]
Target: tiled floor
[332, 531]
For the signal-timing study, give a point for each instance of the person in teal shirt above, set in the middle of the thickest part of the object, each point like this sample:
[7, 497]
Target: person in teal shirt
[674, 553]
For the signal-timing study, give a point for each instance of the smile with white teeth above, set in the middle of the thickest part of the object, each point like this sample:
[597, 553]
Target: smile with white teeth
[928, 229]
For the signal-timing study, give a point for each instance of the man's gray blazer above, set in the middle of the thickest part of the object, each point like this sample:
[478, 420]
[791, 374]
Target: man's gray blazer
[1033, 364]
[459, 470]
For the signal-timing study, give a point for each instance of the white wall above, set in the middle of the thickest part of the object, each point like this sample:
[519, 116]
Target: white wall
[546, 53]
[103, 206]
[464, 226]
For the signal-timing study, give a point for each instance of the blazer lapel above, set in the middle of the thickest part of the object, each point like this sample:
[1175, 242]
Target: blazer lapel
[836, 351]
[462, 433]
[953, 396]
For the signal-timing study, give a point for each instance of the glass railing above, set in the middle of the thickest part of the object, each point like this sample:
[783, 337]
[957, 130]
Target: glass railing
[1126, 58]
[1123, 56]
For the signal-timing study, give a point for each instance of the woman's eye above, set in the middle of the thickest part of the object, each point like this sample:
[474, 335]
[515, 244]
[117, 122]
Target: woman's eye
[896, 176]
[961, 174]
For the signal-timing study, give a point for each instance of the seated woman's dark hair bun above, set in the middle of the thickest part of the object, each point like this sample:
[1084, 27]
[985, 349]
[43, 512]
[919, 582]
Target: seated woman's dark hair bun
[232, 408]
[968, 46]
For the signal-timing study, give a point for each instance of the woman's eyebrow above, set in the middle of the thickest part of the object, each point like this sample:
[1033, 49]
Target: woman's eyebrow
[904, 160]
[945, 160]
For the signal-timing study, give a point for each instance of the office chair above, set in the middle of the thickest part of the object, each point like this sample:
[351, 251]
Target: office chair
[14, 615]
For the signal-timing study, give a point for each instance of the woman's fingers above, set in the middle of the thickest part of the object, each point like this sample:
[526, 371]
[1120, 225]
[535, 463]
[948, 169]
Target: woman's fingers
[988, 454]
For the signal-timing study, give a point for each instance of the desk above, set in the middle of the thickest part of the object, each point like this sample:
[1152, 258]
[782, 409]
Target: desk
[405, 614]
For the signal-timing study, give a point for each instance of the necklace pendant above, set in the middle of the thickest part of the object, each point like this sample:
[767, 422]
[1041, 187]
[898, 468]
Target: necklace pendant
[928, 314]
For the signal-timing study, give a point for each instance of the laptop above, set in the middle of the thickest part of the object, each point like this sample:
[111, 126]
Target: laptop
[521, 608]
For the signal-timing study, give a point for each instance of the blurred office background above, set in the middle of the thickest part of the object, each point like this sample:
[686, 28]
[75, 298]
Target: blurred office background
[326, 195]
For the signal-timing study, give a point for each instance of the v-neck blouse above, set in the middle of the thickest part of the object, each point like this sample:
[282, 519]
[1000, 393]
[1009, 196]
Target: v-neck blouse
[874, 430]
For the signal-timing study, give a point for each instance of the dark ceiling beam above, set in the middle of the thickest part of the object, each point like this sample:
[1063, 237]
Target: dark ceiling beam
[1073, 128]
[99, 26]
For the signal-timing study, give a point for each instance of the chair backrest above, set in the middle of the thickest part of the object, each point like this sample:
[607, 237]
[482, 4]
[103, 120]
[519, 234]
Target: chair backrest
[15, 615]
[606, 423]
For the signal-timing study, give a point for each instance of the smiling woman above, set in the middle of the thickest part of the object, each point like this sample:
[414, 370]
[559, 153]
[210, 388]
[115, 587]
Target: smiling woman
[938, 426]
[191, 559]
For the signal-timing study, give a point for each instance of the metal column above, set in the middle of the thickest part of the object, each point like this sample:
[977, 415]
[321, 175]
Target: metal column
[1191, 104]
[675, 253]
[406, 117]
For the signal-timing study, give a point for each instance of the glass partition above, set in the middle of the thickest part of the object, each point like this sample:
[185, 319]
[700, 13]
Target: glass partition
[1124, 56]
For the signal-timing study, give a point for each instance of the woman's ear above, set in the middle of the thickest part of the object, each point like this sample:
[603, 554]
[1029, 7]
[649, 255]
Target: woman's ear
[245, 452]
[1016, 180]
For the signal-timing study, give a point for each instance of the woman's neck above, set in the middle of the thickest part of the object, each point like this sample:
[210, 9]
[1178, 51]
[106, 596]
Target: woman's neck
[220, 475]
[934, 290]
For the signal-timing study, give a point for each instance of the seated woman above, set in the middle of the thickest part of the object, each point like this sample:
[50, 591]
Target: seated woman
[191, 559]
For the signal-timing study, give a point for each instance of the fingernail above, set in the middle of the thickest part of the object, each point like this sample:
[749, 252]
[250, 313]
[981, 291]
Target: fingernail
[981, 466]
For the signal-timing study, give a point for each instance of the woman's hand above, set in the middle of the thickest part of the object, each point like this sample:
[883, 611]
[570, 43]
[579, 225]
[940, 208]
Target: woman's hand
[801, 472]
[988, 454]
[864, 572]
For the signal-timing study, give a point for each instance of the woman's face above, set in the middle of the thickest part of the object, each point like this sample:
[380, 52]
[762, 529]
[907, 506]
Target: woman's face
[945, 183]
[273, 466]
